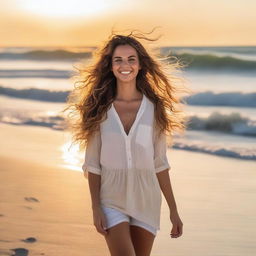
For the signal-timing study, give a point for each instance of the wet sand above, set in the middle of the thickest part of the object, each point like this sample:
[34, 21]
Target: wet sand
[45, 208]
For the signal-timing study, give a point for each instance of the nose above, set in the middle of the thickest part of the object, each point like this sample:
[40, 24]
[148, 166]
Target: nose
[125, 63]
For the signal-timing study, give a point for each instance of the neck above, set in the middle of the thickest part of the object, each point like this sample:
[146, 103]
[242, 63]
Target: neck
[127, 91]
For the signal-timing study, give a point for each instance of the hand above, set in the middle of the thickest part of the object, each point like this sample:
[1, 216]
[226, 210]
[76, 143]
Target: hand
[177, 224]
[99, 220]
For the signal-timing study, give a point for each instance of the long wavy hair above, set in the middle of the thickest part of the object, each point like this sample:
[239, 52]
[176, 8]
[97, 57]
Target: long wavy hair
[95, 89]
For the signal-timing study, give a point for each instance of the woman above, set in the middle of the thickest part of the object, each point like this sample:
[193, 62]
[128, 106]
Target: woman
[121, 116]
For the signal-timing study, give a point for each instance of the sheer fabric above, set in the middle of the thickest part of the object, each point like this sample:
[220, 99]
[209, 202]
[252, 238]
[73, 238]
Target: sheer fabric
[128, 163]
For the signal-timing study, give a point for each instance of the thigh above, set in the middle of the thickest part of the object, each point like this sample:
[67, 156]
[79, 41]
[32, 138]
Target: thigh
[118, 233]
[142, 238]
[119, 240]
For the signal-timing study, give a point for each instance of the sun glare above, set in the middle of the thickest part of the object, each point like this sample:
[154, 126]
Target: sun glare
[70, 156]
[66, 8]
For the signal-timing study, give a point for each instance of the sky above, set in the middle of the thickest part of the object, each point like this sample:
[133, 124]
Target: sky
[89, 22]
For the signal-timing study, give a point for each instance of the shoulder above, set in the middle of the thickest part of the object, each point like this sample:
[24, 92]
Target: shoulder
[149, 104]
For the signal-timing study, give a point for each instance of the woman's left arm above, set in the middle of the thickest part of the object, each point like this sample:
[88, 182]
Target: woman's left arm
[165, 185]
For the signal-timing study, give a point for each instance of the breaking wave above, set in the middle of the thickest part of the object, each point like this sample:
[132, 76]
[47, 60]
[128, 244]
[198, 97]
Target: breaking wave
[209, 98]
[235, 152]
[232, 123]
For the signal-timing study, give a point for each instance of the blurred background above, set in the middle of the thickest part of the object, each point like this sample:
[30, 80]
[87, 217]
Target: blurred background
[42, 40]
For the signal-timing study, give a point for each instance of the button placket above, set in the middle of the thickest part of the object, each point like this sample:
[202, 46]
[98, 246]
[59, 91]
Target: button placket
[128, 152]
[127, 138]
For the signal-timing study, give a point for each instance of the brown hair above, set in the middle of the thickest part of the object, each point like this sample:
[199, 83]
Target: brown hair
[96, 90]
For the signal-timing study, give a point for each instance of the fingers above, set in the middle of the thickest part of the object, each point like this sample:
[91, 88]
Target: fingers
[174, 231]
[99, 221]
[177, 230]
[181, 229]
[101, 226]
[101, 229]
[104, 225]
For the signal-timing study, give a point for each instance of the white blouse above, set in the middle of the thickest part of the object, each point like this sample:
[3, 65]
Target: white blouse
[128, 164]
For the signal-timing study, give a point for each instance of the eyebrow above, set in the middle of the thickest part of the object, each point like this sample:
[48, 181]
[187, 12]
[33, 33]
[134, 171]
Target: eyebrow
[118, 57]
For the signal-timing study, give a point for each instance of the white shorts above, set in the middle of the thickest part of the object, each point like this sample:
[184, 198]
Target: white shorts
[115, 217]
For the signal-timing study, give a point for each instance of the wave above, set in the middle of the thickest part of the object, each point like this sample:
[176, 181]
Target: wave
[232, 123]
[227, 50]
[235, 99]
[40, 73]
[56, 121]
[35, 94]
[209, 98]
[204, 58]
[42, 55]
[213, 62]
[241, 153]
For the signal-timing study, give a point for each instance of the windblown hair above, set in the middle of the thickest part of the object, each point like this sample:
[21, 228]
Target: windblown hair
[90, 100]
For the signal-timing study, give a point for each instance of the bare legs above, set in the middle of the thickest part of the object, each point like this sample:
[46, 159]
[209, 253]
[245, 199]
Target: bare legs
[142, 240]
[119, 240]
[126, 240]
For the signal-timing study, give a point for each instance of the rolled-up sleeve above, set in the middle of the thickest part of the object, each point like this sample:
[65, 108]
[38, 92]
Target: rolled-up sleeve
[92, 155]
[160, 151]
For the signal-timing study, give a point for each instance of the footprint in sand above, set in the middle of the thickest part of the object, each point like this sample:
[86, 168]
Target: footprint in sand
[4, 241]
[28, 207]
[29, 240]
[31, 199]
[20, 252]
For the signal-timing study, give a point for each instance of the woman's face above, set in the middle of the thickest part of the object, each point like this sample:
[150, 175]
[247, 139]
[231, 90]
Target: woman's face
[125, 63]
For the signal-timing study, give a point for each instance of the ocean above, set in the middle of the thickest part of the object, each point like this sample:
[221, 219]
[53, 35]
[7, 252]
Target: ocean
[35, 82]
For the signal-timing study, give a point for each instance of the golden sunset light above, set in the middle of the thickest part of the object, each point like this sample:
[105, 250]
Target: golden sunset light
[88, 22]
[110, 110]
[66, 9]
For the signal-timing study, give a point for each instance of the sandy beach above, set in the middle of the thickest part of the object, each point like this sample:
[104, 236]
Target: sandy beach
[45, 208]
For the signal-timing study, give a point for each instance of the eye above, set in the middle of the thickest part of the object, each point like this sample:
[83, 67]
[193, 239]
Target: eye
[117, 60]
[132, 60]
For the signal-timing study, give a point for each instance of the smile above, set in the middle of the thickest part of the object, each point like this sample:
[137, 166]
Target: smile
[125, 72]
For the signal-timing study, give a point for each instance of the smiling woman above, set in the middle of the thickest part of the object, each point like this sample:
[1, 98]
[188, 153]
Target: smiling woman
[67, 9]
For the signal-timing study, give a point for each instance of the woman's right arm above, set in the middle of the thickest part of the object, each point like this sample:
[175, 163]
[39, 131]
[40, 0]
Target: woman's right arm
[94, 181]
[92, 168]
[99, 219]
[92, 171]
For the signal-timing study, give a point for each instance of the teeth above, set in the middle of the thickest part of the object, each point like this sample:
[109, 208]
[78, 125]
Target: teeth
[125, 72]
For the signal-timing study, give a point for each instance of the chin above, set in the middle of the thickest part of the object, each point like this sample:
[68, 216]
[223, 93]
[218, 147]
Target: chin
[127, 80]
